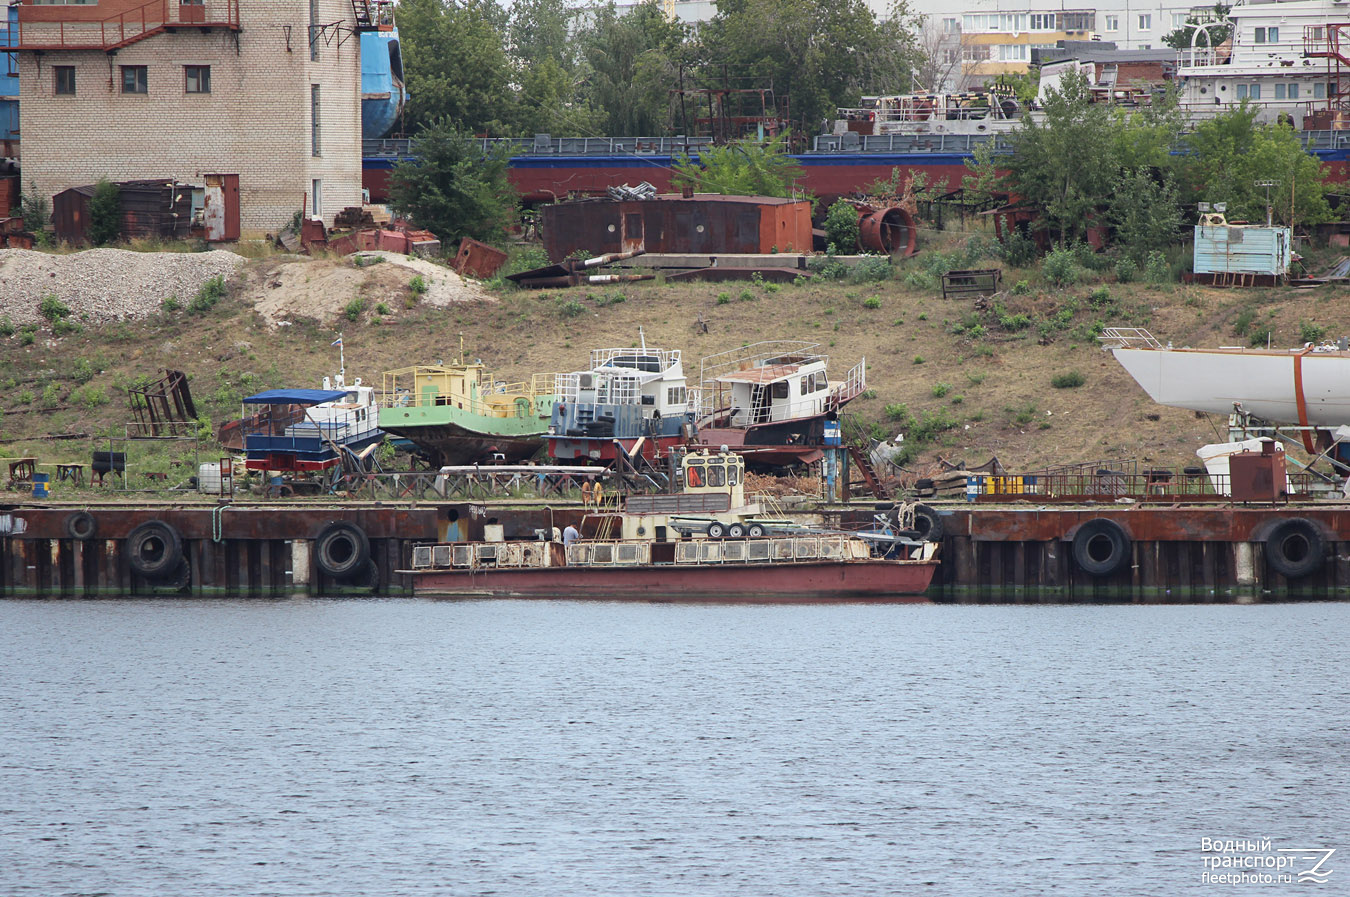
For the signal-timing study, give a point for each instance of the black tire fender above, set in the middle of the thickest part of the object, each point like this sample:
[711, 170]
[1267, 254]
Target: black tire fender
[154, 549]
[1101, 547]
[341, 550]
[81, 526]
[1295, 548]
[927, 523]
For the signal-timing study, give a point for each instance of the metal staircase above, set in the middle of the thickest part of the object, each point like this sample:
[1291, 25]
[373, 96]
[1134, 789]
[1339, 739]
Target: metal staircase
[869, 473]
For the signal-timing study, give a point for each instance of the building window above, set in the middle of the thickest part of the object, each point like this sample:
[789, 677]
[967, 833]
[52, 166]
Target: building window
[1113, 23]
[1043, 21]
[64, 80]
[1179, 19]
[314, 30]
[1012, 52]
[316, 148]
[1145, 22]
[951, 25]
[134, 79]
[316, 198]
[951, 55]
[1077, 21]
[197, 78]
[1255, 92]
[1293, 91]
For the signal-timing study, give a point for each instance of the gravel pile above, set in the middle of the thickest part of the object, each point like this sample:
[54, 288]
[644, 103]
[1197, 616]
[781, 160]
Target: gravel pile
[105, 284]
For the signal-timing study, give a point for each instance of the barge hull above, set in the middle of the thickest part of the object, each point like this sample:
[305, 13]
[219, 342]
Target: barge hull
[888, 581]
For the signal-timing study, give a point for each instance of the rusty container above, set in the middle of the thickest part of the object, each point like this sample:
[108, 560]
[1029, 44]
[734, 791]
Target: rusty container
[1258, 476]
[890, 231]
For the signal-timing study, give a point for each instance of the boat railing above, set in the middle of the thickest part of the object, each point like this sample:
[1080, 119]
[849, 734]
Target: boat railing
[853, 385]
[826, 547]
[1128, 338]
[1123, 482]
[425, 387]
[474, 555]
[765, 352]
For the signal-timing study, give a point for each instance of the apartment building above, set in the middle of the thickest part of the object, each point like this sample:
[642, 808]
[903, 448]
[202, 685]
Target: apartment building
[257, 101]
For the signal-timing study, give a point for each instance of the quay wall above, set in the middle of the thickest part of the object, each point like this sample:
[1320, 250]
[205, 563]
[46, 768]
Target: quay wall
[988, 554]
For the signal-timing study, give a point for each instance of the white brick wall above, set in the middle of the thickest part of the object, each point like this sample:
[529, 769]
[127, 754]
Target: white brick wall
[254, 123]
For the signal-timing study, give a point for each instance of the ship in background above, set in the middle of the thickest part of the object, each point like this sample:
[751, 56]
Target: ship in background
[383, 94]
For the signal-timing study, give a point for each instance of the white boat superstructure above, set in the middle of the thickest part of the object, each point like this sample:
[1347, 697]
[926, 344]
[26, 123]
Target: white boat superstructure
[1285, 57]
[773, 382]
[1309, 386]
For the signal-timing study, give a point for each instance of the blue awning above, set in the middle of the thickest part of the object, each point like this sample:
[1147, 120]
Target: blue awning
[295, 397]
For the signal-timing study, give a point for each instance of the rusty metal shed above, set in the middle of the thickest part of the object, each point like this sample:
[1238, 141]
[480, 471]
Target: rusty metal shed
[151, 208]
[703, 223]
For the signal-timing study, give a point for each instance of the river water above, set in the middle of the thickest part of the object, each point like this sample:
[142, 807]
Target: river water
[364, 747]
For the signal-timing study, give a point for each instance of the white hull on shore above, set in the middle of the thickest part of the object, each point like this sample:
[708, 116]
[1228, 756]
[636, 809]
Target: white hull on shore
[1269, 384]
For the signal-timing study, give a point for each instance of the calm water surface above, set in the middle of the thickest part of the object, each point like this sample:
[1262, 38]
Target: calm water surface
[533, 748]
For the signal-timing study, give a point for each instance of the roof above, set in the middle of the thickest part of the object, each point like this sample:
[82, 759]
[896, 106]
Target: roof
[766, 374]
[295, 396]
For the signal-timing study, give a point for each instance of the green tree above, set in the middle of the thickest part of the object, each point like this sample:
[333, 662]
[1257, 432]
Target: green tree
[105, 213]
[1145, 210]
[452, 188]
[1064, 164]
[823, 54]
[629, 64]
[1219, 31]
[456, 65]
[841, 227]
[1232, 157]
[741, 168]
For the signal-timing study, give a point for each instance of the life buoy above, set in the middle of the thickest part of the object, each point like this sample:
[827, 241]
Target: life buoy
[81, 526]
[1101, 547]
[341, 550]
[154, 549]
[1295, 548]
[928, 524]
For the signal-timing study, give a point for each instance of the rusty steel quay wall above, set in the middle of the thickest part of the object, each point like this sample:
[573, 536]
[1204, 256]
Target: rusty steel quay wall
[1175, 554]
[253, 550]
[989, 554]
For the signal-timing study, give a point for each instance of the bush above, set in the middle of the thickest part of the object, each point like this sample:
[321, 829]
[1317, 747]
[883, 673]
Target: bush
[354, 308]
[1260, 337]
[381, 309]
[871, 268]
[941, 389]
[65, 327]
[841, 227]
[569, 308]
[1099, 297]
[918, 359]
[6, 326]
[1157, 270]
[747, 295]
[723, 298]
[1060, 267]
[932, 423]
[211, 292]
[83, 371]
[872, 302]
[170, 305]
[1021, 288]
[1309, 332]
[1071, 380]
[52, 308]
[105, 213]
[417, 285]
[898, 414]
[1126, 270]
[1017, 250]
[1022, 414]
[90, 396]
[1243, 322]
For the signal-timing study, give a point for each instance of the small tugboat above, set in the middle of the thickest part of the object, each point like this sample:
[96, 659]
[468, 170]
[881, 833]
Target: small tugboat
[638, 553]
[770, 400]
[460, 414]
[635, 398]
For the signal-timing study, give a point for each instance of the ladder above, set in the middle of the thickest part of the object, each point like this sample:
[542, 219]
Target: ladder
[869, 473]
[364, 20]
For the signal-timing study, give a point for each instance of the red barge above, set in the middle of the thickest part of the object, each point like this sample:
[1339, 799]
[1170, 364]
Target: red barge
[639, 553]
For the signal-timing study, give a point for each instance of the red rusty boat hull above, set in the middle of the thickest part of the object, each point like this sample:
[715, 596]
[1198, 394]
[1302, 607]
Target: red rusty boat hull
[878, 580]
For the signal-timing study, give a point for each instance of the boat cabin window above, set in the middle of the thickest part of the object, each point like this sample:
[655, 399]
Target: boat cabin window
[733, 473]
[717, 475]
[779, 390]
[676, 395]
[351, 396]
[820, 381]
[693, 474]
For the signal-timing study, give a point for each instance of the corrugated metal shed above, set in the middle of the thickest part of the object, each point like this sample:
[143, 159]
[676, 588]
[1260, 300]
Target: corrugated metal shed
[1242, 249]
[702, 224]
[153, 208]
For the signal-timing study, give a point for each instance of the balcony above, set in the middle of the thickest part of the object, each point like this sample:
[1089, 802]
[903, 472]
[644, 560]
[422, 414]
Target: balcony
[60, 27]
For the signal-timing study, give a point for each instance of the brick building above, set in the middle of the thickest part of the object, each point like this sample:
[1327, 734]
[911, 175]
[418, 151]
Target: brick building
[258, 99]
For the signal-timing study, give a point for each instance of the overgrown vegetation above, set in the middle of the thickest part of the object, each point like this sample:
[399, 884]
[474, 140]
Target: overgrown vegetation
[105, 213]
